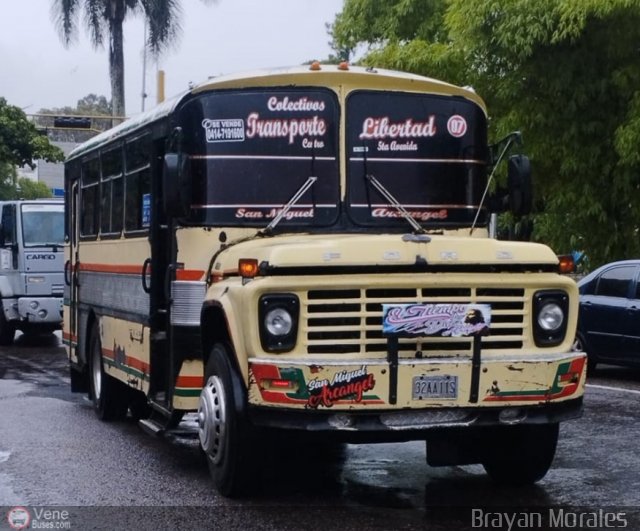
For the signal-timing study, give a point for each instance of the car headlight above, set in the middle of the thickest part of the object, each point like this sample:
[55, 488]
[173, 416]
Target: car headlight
[278, 315]
[550, 314]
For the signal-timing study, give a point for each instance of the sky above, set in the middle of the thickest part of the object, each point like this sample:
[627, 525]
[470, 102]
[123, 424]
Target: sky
[37, 71]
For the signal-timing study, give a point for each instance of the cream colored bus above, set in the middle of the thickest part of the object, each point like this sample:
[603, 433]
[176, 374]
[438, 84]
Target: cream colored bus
[308, 250]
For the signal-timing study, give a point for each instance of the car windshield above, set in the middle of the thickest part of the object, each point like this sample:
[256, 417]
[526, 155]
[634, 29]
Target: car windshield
[430, 153]
[42, 225]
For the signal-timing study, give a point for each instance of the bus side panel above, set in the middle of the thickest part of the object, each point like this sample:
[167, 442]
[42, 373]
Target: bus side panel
[125, 351]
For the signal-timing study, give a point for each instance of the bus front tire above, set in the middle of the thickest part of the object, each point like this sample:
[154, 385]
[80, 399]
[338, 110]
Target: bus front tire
[224, 436]
[108, 395]
[521, 455]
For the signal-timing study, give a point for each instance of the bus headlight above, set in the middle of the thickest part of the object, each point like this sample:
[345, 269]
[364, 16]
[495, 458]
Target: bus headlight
[550, 312]
[278, 316]
[278, 322]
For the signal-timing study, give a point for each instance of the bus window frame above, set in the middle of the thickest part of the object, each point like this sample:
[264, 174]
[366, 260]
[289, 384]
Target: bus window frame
[145, 135]
[117, 146]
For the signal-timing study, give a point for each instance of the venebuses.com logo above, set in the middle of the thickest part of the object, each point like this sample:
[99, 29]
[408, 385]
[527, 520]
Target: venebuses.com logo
[19, 518]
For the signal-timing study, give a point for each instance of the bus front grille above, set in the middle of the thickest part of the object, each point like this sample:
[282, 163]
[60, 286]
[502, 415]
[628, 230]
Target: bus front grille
[349, 321]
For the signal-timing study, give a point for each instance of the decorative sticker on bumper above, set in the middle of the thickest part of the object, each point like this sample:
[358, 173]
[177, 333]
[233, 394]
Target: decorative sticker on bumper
[565, 383]
[288, 385]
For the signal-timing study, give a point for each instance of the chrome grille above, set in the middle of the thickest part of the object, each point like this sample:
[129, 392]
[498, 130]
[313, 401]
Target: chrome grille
[349, 321]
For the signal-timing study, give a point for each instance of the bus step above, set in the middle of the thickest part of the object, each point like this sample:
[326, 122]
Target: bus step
[152, 427]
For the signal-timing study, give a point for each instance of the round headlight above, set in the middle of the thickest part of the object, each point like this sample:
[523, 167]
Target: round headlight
[550, 317]
[278, 322]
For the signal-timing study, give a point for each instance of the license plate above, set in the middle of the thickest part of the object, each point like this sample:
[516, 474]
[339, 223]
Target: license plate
[442, 387]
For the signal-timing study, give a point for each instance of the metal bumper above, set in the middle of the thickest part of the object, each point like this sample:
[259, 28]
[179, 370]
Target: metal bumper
[40, 310]
[357, 426]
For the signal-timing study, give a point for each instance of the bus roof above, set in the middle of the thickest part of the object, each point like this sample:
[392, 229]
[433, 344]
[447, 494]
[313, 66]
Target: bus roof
[327, 75]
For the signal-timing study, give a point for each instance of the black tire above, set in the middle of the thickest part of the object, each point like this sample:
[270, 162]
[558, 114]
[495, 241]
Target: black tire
[580, 345]
[109, 396]
[138, 405]
[7, 330]
[224, 435]
[521, 455]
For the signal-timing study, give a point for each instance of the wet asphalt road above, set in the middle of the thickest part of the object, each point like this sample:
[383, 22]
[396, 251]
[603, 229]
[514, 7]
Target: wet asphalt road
[54, 452]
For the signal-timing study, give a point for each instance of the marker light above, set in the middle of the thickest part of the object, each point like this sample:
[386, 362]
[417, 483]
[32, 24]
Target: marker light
[344, 65]
[315, 66]
[566, 264]
[248, 267]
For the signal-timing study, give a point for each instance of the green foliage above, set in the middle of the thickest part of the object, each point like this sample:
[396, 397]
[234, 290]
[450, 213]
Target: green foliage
[566, 73]
[20, 141]
[28, 189]
[90, 105]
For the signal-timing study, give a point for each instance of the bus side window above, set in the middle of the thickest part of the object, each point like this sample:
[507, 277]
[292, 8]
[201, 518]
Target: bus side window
[90, 190]
[111, 191]
[137, 185]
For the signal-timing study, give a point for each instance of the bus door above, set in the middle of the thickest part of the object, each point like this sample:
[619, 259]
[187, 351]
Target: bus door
[71, 271]
[156, 280]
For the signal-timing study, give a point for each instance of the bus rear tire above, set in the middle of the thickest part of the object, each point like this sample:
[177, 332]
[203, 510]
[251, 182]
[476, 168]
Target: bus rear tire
[521, 455]
[224, 436]
[7, 330]
[108, 395]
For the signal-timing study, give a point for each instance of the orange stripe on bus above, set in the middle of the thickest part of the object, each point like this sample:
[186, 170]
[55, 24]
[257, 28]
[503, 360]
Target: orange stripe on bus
[181, 274]
[189, 274]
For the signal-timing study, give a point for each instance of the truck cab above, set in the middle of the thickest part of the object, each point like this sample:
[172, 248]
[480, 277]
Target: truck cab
[31, 267]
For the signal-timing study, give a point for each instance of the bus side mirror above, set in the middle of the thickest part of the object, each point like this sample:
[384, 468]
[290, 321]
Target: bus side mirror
[520, 188]
[175, 187]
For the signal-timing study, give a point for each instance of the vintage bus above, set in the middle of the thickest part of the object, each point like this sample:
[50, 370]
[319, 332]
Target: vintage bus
[308, 250]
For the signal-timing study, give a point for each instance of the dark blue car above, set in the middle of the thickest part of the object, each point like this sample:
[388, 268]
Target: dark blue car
[609, 319]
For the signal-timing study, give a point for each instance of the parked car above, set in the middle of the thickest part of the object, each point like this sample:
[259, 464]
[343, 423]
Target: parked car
[609, 318]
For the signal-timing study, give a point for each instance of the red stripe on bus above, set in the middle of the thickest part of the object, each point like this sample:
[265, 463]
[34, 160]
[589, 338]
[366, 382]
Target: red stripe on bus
[190, 381]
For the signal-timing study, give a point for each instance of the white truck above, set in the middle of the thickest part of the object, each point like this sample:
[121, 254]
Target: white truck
[31, 267]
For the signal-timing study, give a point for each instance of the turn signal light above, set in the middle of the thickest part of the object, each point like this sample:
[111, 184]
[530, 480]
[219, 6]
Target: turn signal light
[566, 264]
[248, 267]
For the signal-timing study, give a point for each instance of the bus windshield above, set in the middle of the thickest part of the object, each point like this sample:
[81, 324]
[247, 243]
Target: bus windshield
[42, 225]
[430, 153]
[251, 151]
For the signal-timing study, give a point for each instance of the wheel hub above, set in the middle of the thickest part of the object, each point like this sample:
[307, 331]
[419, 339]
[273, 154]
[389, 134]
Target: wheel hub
[211, 419]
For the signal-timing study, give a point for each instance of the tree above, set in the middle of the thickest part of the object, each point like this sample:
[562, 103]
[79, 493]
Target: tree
[90, 105]
[104, 19]
[565, 73]
[20, 141]
[20, 144]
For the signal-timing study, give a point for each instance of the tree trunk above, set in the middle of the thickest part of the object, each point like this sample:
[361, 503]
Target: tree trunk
[116, 59]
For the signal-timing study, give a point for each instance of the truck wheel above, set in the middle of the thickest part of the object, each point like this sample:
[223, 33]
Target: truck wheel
[224, 436]
[521, 455]
[108, 395]
[7, 330]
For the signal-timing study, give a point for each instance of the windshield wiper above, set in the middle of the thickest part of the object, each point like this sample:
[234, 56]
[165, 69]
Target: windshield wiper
[508, 141]
[395, 204]
[285, 209]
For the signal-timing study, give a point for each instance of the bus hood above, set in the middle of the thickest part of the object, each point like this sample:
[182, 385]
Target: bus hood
[382, 251]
